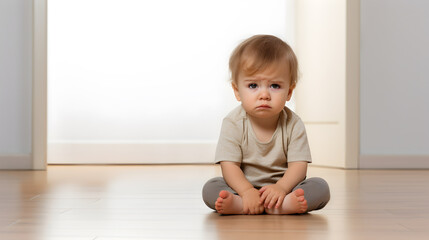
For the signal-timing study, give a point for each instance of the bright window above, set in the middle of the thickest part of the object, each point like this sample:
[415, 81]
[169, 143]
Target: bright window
[139, 71]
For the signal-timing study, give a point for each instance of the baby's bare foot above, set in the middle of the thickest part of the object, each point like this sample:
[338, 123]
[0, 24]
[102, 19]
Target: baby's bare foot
[293, 203]
[228, 203]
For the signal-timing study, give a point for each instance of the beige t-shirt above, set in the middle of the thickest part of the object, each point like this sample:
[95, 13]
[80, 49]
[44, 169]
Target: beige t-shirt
[262, 163]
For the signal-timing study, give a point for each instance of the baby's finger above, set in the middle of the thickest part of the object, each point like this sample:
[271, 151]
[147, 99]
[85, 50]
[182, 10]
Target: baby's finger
[267, 201]
[280, 201]
[262, 189]
[263, 197]
[272, 202]
[250, 212]
[255, 210]
[261, 209]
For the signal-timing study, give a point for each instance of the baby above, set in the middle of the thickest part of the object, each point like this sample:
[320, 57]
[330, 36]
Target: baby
[263, 149]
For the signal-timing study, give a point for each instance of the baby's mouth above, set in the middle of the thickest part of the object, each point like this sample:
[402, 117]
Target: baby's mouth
[264, 106]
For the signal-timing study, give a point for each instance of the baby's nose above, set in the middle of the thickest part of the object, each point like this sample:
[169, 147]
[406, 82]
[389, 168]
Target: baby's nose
[264, 94]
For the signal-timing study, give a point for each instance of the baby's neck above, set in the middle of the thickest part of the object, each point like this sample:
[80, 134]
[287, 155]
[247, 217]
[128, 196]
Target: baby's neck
[264, 128]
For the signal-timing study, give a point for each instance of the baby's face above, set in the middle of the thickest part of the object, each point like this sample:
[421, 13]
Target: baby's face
[264, 94]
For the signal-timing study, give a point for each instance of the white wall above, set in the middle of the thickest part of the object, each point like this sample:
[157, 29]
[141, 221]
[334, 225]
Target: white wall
[394, 83]
[15, 83]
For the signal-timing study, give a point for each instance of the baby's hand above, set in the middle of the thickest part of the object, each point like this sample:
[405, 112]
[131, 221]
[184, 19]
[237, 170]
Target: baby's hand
[272, 195]
[251, 204]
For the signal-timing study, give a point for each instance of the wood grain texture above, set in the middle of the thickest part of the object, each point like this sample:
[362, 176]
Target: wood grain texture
[164, 202]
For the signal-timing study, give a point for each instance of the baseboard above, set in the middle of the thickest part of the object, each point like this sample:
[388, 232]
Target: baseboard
[393, 162]
[16, 162]
[130, 153]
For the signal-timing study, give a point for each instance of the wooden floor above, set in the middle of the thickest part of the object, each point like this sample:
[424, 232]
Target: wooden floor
[164, 202]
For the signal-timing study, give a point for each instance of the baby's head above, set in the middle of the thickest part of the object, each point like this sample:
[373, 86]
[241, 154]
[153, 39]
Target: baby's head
[261, 52]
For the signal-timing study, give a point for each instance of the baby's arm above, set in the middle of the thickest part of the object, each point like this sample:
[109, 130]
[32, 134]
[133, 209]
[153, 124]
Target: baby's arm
[235, 178]
[274, 194]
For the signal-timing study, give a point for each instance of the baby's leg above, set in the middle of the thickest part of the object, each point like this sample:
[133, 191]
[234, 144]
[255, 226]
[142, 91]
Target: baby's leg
[212, 189]
[316, 193]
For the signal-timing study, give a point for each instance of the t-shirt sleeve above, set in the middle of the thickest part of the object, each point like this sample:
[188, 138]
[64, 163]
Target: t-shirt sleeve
[229, 144]
[298, 148]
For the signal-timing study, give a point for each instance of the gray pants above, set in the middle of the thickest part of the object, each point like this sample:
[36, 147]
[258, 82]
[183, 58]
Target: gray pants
[316, 192]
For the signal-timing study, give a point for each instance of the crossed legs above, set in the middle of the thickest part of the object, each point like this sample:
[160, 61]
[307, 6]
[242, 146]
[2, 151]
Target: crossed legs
[311, 194]
[229, 203]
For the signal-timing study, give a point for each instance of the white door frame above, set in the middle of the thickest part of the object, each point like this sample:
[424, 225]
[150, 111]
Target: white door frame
[40, 80]
[333, 84]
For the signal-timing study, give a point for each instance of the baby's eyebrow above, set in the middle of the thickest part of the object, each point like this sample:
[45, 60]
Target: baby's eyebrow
[259, 80]
[277, 81]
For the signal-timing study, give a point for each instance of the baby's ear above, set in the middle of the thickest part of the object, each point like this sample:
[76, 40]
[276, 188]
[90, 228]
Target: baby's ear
[236, 93]
[290, 92]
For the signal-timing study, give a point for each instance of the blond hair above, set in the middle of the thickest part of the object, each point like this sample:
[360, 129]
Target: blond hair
[259, 52]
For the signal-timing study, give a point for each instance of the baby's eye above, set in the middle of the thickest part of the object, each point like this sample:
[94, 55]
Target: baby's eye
[275, 86]
[253, 85]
